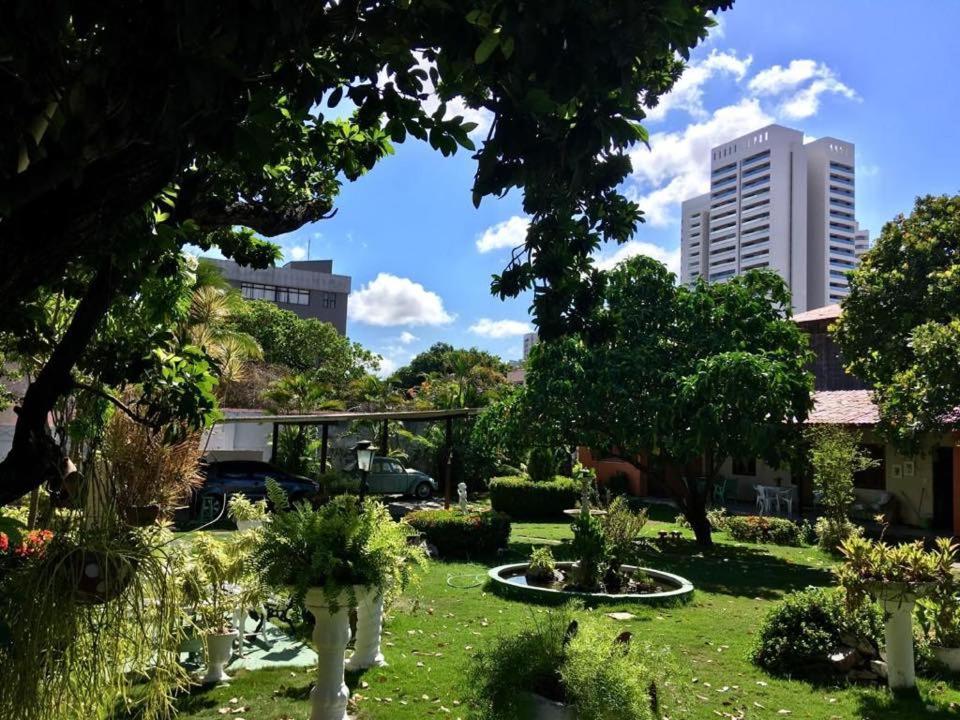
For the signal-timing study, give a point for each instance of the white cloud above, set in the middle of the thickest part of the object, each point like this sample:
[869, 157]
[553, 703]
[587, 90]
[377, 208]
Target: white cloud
[506, 234]
[407, 337]
[298, 252]
[777, 78]
[388, 300]
[500, 328]
[806, 102]
[670, 258]
[687, 92]
[803, 102]
[388, 366]
[677, 165]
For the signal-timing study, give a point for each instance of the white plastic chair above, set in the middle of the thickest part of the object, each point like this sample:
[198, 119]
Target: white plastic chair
[785, 495]
[763, 501]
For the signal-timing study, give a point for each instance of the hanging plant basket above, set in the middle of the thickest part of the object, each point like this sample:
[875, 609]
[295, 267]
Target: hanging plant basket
[100, 577]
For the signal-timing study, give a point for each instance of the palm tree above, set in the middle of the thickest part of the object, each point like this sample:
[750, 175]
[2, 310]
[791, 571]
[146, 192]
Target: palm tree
[207, 325]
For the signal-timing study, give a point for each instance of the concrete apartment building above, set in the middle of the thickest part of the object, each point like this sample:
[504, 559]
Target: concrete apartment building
[306, 287]
[529, 340]
[777, 202]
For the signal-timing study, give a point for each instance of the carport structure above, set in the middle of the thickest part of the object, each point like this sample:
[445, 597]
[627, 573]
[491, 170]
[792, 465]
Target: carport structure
[381, 418]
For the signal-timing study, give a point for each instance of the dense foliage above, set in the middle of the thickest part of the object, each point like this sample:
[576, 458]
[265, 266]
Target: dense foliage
[459, 535]
[341, 545]
[900, 327]
[521, 498]
[135, 129]
[574, 659]
[835, 457]
[681, 379]
[763, 529]
[798, 635]
[305, 345]
[907, 568]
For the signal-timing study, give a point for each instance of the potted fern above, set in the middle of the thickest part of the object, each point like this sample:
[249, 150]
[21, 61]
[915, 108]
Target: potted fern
[246, 513]
[334, 558]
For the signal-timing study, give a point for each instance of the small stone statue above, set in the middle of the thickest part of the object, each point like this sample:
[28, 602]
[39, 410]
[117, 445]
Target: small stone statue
[462, 493]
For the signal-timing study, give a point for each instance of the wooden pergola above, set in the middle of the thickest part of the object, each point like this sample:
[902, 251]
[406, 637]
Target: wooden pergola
[326, 419]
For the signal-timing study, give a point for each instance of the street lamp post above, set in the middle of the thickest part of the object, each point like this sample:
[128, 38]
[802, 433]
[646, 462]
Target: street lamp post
[364, 461]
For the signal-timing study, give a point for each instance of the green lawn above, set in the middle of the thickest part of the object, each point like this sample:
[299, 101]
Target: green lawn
[432, 636]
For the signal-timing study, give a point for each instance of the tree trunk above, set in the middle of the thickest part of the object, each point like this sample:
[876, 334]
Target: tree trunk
[696, 514]
[35, 457]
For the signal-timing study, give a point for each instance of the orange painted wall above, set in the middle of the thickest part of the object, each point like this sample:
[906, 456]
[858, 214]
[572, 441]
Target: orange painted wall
[606, 469]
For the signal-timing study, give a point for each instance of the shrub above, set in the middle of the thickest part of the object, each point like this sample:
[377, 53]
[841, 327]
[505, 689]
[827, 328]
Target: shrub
[338, 482]
[763, 529]
[831, 534]
[578, 663]
[523, 499]
[542, 566]
[717, 517]
[541, 464]
[458, 535]
[799, 634]
[243, 508]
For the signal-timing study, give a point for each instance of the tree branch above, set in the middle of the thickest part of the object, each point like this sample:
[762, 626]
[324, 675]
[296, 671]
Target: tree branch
[116, 402]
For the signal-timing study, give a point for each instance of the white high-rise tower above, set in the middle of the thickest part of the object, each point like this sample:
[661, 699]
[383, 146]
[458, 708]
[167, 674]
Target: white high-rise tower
[777, 203]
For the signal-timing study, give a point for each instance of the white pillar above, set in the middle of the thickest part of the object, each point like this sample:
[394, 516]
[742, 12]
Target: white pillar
[366, 653]
[898, 633]
[331, 633]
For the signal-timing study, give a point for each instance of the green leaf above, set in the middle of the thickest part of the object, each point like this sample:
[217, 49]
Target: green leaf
[485, 49]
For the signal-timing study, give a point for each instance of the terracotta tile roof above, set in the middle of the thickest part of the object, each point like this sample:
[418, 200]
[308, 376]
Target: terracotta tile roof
[827, 312]
[843, 407]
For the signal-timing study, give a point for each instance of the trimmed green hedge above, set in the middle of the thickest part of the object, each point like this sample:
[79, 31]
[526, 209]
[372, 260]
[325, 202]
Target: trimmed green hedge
[523, 499]
[457, 535]
[763, 529]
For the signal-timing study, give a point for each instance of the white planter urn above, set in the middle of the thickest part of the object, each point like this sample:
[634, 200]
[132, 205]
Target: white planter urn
[949, 656]
[366, 652]
[219, 651]
[331, 633]
[897, 601]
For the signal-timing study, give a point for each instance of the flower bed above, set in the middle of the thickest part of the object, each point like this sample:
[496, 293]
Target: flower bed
[762, 529]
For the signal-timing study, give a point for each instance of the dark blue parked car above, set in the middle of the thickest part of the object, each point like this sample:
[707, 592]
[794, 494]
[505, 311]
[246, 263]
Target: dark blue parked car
[229, 477]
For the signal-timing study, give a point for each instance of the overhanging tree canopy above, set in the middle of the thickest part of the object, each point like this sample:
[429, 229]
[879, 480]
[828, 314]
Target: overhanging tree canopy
[900, 327]
[134, 128]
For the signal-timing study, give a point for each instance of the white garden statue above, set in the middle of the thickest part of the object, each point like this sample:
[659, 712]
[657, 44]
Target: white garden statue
[462, 493]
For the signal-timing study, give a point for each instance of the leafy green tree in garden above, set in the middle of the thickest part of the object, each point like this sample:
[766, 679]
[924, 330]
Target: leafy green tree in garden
[681, 376]
[305, 345]
[900, 327]
[440, 359]
[835, 457]
[134, 129]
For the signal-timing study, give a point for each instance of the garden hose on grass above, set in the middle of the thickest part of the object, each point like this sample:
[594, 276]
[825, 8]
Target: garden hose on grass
[476, 580]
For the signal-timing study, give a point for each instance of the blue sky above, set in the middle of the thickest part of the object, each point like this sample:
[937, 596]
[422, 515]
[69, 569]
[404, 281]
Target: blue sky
[879, 74]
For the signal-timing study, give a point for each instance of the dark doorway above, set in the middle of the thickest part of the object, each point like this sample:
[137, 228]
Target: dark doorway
[943, 489]
[875, 477]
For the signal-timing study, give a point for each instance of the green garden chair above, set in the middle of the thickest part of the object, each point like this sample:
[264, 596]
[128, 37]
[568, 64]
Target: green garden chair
[720, 489]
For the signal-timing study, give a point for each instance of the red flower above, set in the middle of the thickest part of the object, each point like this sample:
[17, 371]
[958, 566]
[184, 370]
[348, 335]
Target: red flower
[33, 543]
[4, 543]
